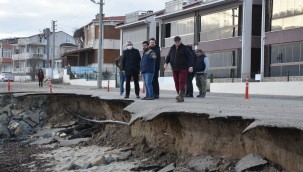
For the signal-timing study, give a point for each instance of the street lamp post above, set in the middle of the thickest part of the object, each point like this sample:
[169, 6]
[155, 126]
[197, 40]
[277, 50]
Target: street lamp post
[100, 57]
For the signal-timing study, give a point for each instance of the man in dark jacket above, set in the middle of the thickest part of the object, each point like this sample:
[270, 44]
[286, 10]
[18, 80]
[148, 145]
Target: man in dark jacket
[118, 62]
[153, 45]
[201, 68]
[189, 83]
[148, 63]
[131, 67]
[181, 61]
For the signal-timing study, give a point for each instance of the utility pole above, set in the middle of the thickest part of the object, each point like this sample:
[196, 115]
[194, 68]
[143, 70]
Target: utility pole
[54, 31]
[100, 51]
[47, 34]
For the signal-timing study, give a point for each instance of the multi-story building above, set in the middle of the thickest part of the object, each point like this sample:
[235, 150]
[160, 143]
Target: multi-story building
[241, 38]
[139, 26]
[30, 53]
[87, 55]
[6, 51]
[283, 38]
[228, 31]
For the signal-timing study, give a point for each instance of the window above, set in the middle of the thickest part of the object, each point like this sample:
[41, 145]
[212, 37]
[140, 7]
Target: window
[219, 25]
[287, 14]
[136, 36]
[183, 28]
[286, 58]
[223, 64]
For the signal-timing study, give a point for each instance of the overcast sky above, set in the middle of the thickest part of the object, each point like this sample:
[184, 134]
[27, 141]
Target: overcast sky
[29, 17]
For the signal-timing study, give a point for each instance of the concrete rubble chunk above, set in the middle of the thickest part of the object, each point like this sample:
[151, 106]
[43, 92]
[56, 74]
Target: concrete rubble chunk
[203, 163]
[30, 122]
[249, 161]
[4, 119]
[35, 117]
[16, 112]
[109, 159]
[100, 160]
[13, 125]
[4, 132]
[168, 168]
[124, 155]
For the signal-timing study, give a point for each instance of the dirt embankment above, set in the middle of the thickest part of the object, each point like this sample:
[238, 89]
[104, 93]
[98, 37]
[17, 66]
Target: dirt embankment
[177, 137]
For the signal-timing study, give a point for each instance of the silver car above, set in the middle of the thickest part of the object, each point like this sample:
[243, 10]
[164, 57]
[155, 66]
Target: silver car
[6, 77]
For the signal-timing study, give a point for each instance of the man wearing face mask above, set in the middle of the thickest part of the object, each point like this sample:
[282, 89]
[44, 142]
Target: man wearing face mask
[131, 68]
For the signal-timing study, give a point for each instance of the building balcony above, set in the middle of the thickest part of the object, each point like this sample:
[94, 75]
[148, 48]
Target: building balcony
[26, 56]
[26, 70]
[6, 60]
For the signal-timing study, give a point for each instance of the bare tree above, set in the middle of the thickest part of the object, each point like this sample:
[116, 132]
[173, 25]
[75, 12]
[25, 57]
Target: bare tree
[33, 64]
[79, 36]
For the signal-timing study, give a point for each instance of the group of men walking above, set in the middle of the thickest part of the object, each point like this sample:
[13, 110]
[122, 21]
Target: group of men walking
[185, 63]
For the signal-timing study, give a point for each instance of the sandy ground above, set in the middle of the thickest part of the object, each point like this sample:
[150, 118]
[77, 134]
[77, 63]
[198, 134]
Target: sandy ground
[64, 157]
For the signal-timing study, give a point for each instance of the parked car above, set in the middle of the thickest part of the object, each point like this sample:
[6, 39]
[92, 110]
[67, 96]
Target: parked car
[6, 77]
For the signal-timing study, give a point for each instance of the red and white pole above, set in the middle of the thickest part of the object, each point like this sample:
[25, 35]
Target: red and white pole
[50, 85]
[9, 86]
[246, 88]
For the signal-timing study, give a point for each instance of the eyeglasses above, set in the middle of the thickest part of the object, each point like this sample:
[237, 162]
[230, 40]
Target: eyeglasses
[129, 44]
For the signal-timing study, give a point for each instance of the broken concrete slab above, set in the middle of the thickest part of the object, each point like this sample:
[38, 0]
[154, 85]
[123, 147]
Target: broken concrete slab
[203, 163]
[250, 161]
[168, 168]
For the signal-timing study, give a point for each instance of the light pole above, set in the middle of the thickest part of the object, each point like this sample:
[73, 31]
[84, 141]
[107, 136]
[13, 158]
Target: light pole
[100, 57]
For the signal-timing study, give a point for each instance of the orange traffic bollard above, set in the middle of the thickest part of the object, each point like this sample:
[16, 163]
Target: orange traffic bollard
[246, 88]
[9, 85]
[50, 85]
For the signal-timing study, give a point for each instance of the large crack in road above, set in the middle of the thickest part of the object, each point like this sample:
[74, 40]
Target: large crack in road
[62, 132]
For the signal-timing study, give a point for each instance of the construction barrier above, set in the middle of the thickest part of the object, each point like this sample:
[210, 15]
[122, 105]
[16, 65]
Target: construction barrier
[246, 88]
[50, 85]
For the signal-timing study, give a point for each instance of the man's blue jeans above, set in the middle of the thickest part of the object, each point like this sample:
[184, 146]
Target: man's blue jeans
[148, 82]
[122, 79]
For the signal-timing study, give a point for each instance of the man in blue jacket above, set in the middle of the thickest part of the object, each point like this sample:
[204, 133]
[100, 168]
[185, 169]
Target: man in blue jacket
[148, 63]
[131, 68]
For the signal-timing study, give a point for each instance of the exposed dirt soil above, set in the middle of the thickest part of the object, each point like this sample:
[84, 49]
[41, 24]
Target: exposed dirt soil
[17, 156]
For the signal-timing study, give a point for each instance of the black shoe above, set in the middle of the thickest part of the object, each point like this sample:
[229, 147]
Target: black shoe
[144, 98]
[199, 95]
[156, 97]
[126, 96]
[138, 97]
[149, 98]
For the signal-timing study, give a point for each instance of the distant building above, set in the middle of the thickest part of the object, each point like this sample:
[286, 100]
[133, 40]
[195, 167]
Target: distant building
[87, 55]
[30, 53]
[6, 51]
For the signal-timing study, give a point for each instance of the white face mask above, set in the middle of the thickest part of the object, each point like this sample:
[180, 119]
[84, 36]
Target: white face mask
[129, 47]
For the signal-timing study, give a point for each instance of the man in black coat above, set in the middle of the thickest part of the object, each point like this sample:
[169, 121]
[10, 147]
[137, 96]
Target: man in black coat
[181, 61]
[153, 45]
[131, 67]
